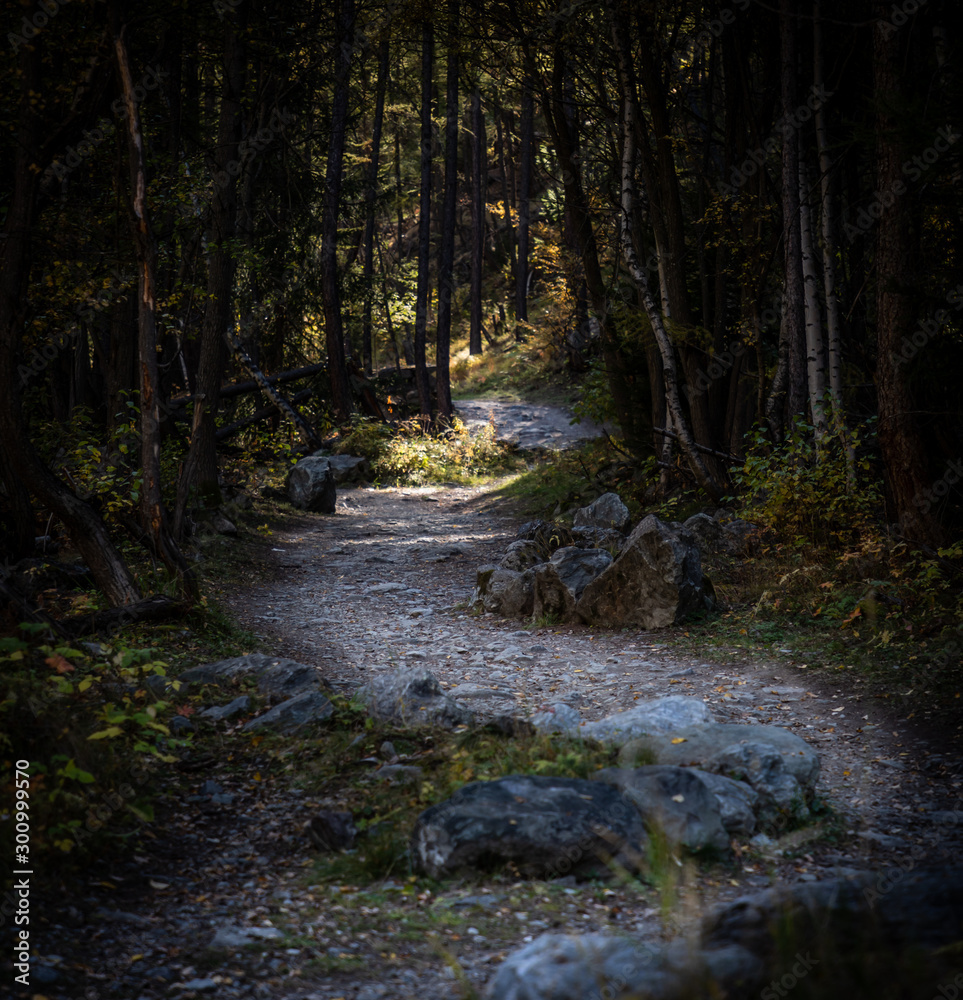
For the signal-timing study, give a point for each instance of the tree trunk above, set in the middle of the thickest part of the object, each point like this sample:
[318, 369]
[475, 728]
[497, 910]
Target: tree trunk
[370, 192]
[424, 225]
[678, 423]
[86, 528]
[479, 180]
[446, 258]
[897, 245]
[200, 467]
[524, 201]
[153, 517]
[815, 346]
[330, 285]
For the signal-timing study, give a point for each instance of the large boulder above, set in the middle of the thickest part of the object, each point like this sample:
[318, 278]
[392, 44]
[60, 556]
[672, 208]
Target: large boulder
[607, 511]
[697, 745]
[547, 535]
[560, 582]
[413, 697]
[764, 768]
[505, 592]
[598, 538]
[522, 555]
[657, 715]
[673, 799]
[545, 826]
[347, 468]
[311, 486]
[831, 933]
[737, 802]
[655, 582]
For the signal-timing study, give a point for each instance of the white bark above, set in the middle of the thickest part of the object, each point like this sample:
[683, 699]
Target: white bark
[815, 346]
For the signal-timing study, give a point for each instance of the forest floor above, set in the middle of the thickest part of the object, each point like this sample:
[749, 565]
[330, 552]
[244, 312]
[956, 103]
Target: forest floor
[234, 854]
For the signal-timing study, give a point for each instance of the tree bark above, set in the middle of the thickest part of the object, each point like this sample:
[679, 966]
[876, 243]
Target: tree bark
[897, 266]
[330, 285]
[370, 191]
[200, 468]
[527, 127]
[424, 225]
[153, 516]
[86, 529]
[446, 257]
[479, 182]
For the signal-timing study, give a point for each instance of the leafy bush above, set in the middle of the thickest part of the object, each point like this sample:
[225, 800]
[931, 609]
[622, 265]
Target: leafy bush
[808, 490]
[408, 455]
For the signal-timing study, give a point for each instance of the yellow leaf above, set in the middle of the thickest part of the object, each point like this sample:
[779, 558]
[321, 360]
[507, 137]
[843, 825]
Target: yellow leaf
[679, 739]
[106, 734]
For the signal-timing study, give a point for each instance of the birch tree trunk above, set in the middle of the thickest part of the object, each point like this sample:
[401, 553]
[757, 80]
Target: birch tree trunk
[674, 411]
[815, 346]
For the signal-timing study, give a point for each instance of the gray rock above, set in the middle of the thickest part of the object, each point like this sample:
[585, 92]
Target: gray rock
[234, 936]
[575, 967]
[737, 803]
[586, 537]
[673, 799]
[282, 681]
[560, 582]
[607, 511]
[505, 591]
[547, 535]
[329, 830]
[741, 538]
[545, 826]
[413, 697]
[700, 743]
[198, 985]
[522, 555]
[222, 525]
[399, 774]
[235, 668]
[655, 582]
[347, 468]
[310, 485]
[706, 531]
[294, 714]
[739, 945]
[557, 718]
[218, 713]
[657, 715]
[764, 768]
[180, 725]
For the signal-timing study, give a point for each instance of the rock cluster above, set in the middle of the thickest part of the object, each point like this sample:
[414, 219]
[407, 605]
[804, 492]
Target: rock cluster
[594, 573]
[743, 946]
[312, 483]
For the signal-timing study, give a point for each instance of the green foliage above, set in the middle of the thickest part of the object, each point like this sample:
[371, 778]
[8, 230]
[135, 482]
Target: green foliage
[408, 455]
[808, 490]
[88, 722]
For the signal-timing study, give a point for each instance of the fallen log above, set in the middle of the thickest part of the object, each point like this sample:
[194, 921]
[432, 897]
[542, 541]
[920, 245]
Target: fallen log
[229, 430]
[158, 607]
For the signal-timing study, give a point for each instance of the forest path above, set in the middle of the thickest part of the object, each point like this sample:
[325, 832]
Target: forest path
[384, 583]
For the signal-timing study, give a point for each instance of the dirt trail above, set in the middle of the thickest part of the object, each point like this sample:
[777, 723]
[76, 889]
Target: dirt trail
[383, 583]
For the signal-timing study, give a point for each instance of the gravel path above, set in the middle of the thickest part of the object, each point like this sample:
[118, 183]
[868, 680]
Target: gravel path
[384, 583]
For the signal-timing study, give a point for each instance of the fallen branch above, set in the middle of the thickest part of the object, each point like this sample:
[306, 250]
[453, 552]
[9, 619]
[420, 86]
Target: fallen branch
[230, 430]
[158, 607]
